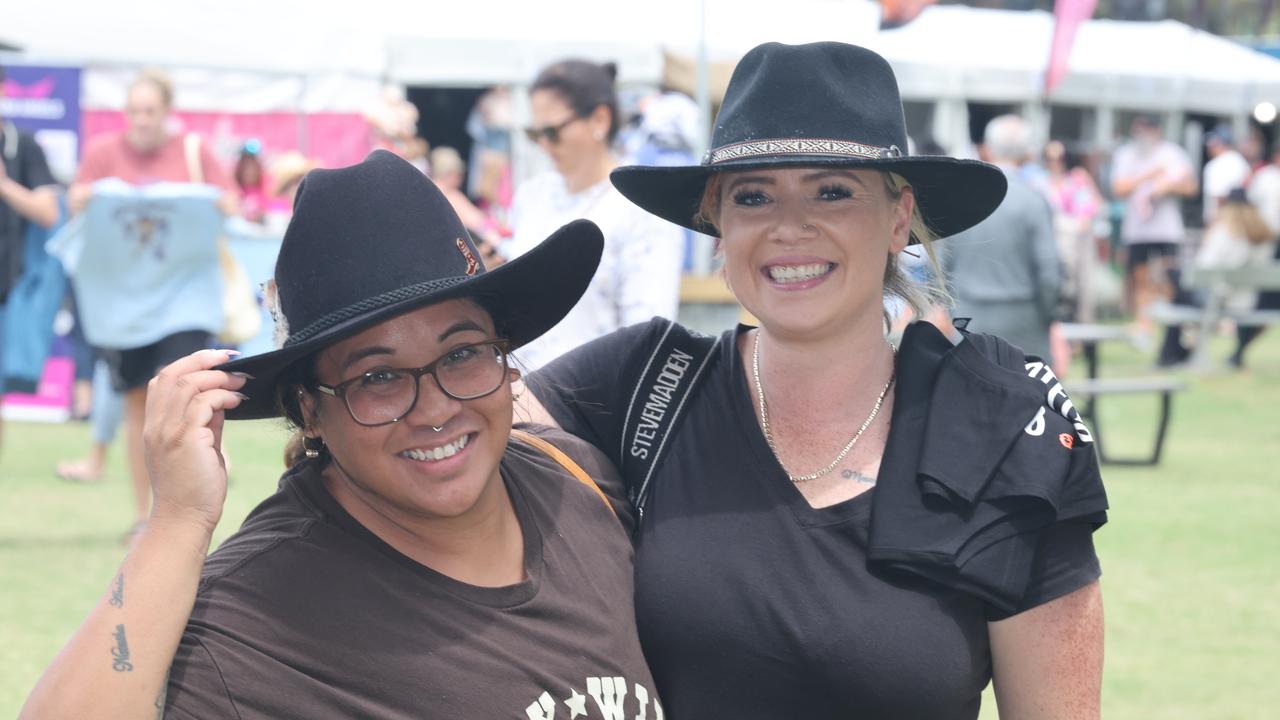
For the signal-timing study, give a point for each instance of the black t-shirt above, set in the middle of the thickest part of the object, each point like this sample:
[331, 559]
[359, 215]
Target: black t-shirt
[304, 613]
[25, 164]
[753, 604]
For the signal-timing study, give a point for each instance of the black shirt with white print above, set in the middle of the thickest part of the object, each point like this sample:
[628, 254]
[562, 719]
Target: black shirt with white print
[753, 604]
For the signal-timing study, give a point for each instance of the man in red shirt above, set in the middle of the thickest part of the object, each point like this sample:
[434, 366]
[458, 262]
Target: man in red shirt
[147, 153]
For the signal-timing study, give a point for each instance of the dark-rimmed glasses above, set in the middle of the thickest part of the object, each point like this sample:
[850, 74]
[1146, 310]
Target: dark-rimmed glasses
[551, 133]
[385, 395]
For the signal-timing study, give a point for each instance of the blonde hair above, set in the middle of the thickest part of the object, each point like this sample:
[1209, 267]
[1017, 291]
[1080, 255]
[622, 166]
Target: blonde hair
[896, 283]
[1244, 220]
[444, 160]
[157, 80]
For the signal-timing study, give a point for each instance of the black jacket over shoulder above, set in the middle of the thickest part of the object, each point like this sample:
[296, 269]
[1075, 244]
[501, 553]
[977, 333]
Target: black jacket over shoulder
[987, 453]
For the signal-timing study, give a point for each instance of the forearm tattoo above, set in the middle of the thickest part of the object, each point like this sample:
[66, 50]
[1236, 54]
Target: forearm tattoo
[855, 475]
[120, 653]
[117, 592]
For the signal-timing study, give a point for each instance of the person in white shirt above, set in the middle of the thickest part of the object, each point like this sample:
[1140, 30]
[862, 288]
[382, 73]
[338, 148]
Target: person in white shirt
[575, 116]
[1264, 191]
[1239, 237]
[1151, 176]
[1226, 170]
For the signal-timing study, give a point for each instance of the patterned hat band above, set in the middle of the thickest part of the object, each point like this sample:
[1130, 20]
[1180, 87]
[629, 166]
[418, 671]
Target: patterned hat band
[799, 146]
[284, 336]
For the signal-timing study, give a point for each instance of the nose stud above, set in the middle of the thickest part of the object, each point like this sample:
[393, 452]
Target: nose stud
[806, 226]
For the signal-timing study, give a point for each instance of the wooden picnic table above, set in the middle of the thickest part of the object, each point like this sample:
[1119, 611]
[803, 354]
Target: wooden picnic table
[1090, 336]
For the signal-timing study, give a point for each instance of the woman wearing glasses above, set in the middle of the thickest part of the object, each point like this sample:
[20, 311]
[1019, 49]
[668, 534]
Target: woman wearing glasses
[575, 121]
[419, 558]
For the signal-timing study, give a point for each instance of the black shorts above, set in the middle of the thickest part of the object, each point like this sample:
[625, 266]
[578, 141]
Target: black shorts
[1139, 254]
[134, 368]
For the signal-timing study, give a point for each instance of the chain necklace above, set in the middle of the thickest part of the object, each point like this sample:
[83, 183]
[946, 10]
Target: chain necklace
[768, 435]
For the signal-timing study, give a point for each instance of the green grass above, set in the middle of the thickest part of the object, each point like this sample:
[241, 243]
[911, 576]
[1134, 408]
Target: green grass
[1191, 575]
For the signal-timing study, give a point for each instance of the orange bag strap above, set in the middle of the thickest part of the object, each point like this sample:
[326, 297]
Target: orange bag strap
[565, 461]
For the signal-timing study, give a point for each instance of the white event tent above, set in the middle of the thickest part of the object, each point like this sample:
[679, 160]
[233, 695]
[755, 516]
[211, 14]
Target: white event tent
[327, 56]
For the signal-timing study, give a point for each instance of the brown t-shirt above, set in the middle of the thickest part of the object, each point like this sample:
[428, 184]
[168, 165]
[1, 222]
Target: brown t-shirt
[111, 156]
[304, 613]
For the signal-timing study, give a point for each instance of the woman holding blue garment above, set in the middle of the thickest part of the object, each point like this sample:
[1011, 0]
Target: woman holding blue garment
[143, 154]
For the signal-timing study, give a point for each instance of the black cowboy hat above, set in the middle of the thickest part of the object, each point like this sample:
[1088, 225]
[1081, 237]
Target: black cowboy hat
[820, 104]
[378, 239]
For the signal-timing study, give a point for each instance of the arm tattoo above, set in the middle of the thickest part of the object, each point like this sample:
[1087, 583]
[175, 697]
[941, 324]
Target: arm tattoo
[117, 592]
[120, 653]
[855, 475]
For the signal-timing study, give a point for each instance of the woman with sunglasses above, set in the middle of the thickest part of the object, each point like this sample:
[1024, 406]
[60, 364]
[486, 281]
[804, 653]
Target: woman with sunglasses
[575, 121]
[838, 527]
[420, 558]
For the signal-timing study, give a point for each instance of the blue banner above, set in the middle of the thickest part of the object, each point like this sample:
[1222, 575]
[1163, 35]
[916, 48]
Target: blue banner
[46, 101]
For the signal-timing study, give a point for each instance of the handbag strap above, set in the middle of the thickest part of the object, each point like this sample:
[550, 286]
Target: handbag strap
[657, 402]
[191, 148]
[564, 460]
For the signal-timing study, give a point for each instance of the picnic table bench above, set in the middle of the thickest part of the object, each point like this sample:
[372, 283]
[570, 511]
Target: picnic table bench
[1089, 389]
[1215, 286]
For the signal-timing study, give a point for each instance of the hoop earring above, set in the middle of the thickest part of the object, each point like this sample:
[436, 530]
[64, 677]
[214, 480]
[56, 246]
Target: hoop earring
[311, 447]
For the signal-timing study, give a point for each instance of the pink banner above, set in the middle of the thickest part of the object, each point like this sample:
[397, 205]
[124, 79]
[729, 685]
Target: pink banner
[333, 139]
[1067, 16]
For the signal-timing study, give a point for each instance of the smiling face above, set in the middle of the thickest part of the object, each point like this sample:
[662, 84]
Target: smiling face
[805, 248]
[393, 469]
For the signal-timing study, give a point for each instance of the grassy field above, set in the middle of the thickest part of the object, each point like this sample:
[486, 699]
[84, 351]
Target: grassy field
[1191, 573]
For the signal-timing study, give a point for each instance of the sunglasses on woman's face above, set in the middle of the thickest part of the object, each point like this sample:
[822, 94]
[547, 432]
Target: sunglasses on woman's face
[550, 133]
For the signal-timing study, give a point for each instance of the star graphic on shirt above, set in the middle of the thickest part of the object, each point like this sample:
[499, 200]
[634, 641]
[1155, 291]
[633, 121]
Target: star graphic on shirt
[577, 703]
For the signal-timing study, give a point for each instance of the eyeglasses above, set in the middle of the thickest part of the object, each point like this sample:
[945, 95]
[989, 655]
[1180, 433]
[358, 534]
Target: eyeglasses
[550, 133]
[384, 396]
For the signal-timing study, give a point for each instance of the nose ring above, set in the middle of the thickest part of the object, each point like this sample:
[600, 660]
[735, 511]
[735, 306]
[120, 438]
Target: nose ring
[438, 429]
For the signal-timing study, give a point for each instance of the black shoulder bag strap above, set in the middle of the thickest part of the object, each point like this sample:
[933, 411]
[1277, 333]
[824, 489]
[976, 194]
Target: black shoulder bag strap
[657, 402]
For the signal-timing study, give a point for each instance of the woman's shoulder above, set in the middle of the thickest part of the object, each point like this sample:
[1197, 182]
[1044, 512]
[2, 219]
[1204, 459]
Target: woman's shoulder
[551, 459]
[289, 514]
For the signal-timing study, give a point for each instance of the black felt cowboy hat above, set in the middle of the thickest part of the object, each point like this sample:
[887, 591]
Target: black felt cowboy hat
[819, 104]
[377, 239]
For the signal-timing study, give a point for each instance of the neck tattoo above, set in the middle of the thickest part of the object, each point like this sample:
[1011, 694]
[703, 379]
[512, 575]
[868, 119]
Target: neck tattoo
[768, 434]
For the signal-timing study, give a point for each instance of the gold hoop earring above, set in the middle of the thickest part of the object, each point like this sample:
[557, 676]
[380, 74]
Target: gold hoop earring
[311, 447]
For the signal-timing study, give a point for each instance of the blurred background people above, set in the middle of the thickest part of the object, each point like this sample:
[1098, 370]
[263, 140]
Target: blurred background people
[1225, 171]
[251, 181]
[1076, 201]
[287, 171]
[1005, 272]
[449, 171]
[146, 153]
[1151, 176]
[575, 121]
[1238, 237]
[27, 196]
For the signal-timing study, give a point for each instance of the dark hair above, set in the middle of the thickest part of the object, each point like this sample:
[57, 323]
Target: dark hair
[297, 379]
[584, 86]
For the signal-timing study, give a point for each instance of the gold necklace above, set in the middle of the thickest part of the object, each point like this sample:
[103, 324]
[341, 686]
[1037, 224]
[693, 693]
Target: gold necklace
[768, 435]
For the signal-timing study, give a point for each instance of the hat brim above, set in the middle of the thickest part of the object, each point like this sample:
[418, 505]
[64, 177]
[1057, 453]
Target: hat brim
[953, 195]
[526, 297]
